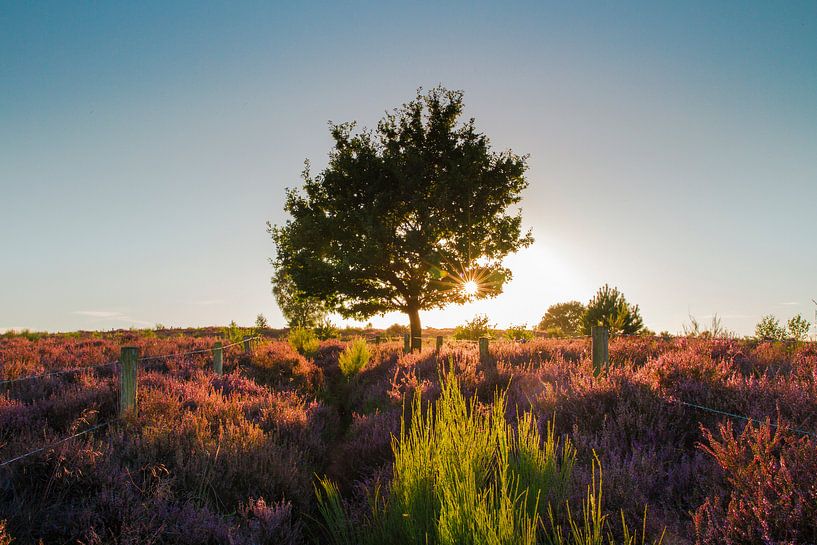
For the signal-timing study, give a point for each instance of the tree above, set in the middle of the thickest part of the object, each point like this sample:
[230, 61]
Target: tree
[769, 329]
[261, 321]
[299, 309]
[410, 216]
[563, 319]
[798, 328]
[610, 309]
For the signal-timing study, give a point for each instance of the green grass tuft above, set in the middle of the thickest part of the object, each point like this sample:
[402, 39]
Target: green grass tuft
[462, 475]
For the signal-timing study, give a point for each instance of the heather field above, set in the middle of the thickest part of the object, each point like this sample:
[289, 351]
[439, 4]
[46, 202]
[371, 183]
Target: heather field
[528, 447]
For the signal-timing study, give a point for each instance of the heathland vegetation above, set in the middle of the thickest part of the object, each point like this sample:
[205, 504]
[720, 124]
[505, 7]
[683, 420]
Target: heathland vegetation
[359, 442]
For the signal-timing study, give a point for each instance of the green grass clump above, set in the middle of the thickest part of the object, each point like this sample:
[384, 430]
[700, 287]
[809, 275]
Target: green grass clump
[304, 341]
[354, 358]
[462, 475]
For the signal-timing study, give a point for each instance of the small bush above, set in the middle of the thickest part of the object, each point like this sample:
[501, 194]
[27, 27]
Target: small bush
[396, 330]
[354, 358]
[325, 329]
[769, 329]
[304, 341]
[473, 329]
[519, 333]
[235, 334]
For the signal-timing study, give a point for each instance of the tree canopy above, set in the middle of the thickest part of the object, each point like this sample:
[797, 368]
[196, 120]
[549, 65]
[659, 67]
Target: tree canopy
[610, 309]
[299, 309]
[563, 319]
[405, 215]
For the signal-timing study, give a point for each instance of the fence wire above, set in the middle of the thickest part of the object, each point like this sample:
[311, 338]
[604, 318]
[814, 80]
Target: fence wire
[90, 367]
[54, 444]
[57, 373]
[201, 351]
[745, 418]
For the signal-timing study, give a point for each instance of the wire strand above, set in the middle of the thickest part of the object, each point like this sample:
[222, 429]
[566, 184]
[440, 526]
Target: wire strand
[87, 367]
[741, 417]
[201, 351]
[55, 373]
[52, 445]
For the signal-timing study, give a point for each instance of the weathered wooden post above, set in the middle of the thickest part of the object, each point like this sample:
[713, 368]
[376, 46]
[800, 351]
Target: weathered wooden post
[247, 346]
[439, 343]
[218, 359]
[483, 349]
[406, 343]
[377, 339]
[417, 344]
[129, 365]
[599, 347]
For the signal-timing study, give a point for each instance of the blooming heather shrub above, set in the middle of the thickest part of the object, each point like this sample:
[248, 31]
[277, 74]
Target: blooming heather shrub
[267, 524]
[691, 376]
[354, 358]
[278, 364]
[179, 472]
[366, 447]
[228, 456]
[304, 341]
[636, 351]
[771, 497]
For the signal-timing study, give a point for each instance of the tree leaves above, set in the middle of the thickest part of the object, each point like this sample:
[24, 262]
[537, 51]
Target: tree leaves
[400, 215]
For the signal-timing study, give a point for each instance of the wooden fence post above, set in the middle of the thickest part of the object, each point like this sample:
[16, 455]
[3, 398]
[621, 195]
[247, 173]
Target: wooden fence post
[247, 347]
[129, 365]
[483, 349]
[417, 344]
[599, 347]
[218, 359]
[439, 343]
[377, 339]
[406, 343]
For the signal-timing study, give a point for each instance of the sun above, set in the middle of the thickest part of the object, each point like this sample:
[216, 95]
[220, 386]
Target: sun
[470, 288]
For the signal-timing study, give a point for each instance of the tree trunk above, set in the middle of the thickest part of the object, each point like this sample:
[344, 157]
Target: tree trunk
[416, 330]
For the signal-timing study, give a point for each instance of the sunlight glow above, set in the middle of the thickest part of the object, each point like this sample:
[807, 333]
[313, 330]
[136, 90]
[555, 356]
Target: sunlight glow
[470, 288]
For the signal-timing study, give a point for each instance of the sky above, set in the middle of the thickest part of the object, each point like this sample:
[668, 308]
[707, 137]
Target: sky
[144, 146]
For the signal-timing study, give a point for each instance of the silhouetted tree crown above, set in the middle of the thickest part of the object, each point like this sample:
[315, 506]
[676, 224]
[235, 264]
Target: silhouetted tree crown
[563, 319]
[610, 309]
[404, 214]
[299, 309]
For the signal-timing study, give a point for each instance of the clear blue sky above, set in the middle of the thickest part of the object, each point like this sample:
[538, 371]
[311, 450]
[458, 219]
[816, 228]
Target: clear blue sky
[144, 145]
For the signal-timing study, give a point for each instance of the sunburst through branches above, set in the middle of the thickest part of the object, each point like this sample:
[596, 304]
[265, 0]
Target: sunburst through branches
[472, 282]
[470, 288]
